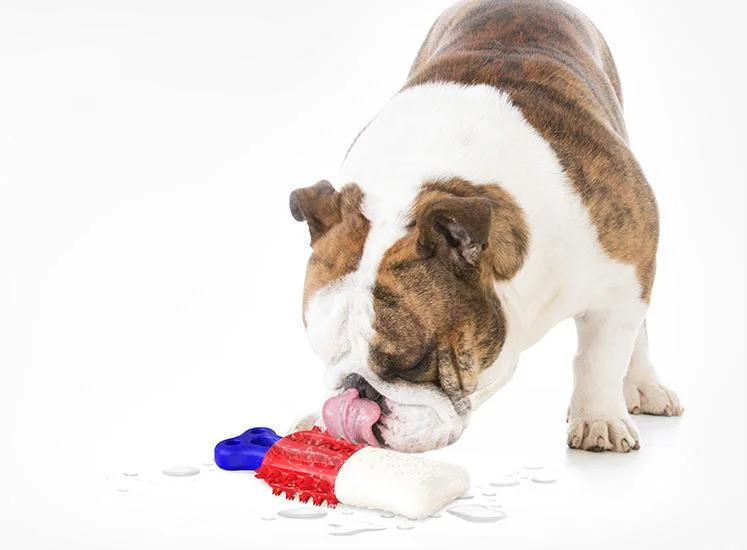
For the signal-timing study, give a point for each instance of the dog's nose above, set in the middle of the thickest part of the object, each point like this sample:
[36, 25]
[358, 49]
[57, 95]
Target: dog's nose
[361, 384]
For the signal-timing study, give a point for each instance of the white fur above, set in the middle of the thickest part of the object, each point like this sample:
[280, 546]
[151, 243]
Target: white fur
[473, 132]
[644, 392]
[597, 415]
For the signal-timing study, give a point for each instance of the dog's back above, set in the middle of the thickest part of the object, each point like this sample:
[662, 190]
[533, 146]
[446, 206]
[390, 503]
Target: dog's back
[557, 69]
[501, 42]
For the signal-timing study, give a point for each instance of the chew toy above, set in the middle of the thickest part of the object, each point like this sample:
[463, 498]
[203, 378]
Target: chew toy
[314, 466]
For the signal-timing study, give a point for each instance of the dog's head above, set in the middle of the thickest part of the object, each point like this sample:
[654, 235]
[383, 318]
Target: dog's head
[401, 306]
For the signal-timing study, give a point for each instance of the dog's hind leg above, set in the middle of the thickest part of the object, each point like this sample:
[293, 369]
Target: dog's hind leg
[644, 392]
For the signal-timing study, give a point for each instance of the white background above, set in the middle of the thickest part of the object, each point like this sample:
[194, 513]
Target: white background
[151, 274]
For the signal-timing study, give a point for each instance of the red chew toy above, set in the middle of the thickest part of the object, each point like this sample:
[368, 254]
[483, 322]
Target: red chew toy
[305, 465]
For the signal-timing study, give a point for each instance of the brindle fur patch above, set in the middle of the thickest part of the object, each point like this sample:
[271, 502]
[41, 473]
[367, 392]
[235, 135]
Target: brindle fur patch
[337, 249]
[557, 69]
[509, 234]
[433, 324]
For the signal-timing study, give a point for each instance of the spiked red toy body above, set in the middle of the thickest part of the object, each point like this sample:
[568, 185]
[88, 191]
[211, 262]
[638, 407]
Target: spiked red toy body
[305, 465]
[315, 467]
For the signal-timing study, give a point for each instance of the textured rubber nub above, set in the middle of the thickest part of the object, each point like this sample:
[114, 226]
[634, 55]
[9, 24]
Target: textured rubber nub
[305, 465]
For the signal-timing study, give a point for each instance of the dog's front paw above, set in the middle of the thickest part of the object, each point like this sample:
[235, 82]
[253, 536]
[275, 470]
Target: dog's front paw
[651, 397]
[602, 433]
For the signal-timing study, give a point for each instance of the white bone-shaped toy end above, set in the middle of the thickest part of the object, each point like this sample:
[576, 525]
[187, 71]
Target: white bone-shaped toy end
[410, 485]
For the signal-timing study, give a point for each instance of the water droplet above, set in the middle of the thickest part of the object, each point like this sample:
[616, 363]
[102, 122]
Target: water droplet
[533, 466]
[302, 513]
[268, 518]
[476, 513]
[489, 493]
[524, 477]
[180, 471]
[496, 505]
[435, 515]
[355, 528]
[122, 490]
[545, 477]
[505, 482]
[404, 526]
[477, 486]
[387, 515]
[208, 463]
[465, 496]
[130, 474]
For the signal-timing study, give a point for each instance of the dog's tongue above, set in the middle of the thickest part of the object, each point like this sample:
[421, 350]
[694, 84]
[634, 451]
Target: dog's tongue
[350, 417]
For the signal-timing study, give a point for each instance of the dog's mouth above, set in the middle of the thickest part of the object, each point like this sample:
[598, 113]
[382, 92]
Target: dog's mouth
[355, 413]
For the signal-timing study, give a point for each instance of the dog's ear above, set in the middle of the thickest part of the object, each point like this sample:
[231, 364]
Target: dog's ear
[456, 229]
[318, 205]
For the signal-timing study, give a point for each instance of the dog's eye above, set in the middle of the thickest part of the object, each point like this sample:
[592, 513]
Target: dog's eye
[423, 370]
[390, 366]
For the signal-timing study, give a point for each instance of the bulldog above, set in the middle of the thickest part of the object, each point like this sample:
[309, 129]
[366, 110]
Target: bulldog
[492, 197]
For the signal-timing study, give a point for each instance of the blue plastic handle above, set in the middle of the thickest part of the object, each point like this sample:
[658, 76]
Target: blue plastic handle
[246, 451]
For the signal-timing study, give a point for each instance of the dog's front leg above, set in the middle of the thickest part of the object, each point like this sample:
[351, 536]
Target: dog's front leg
[598, 417]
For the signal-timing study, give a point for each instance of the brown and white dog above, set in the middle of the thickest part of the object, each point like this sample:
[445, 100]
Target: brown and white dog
[494, 196]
